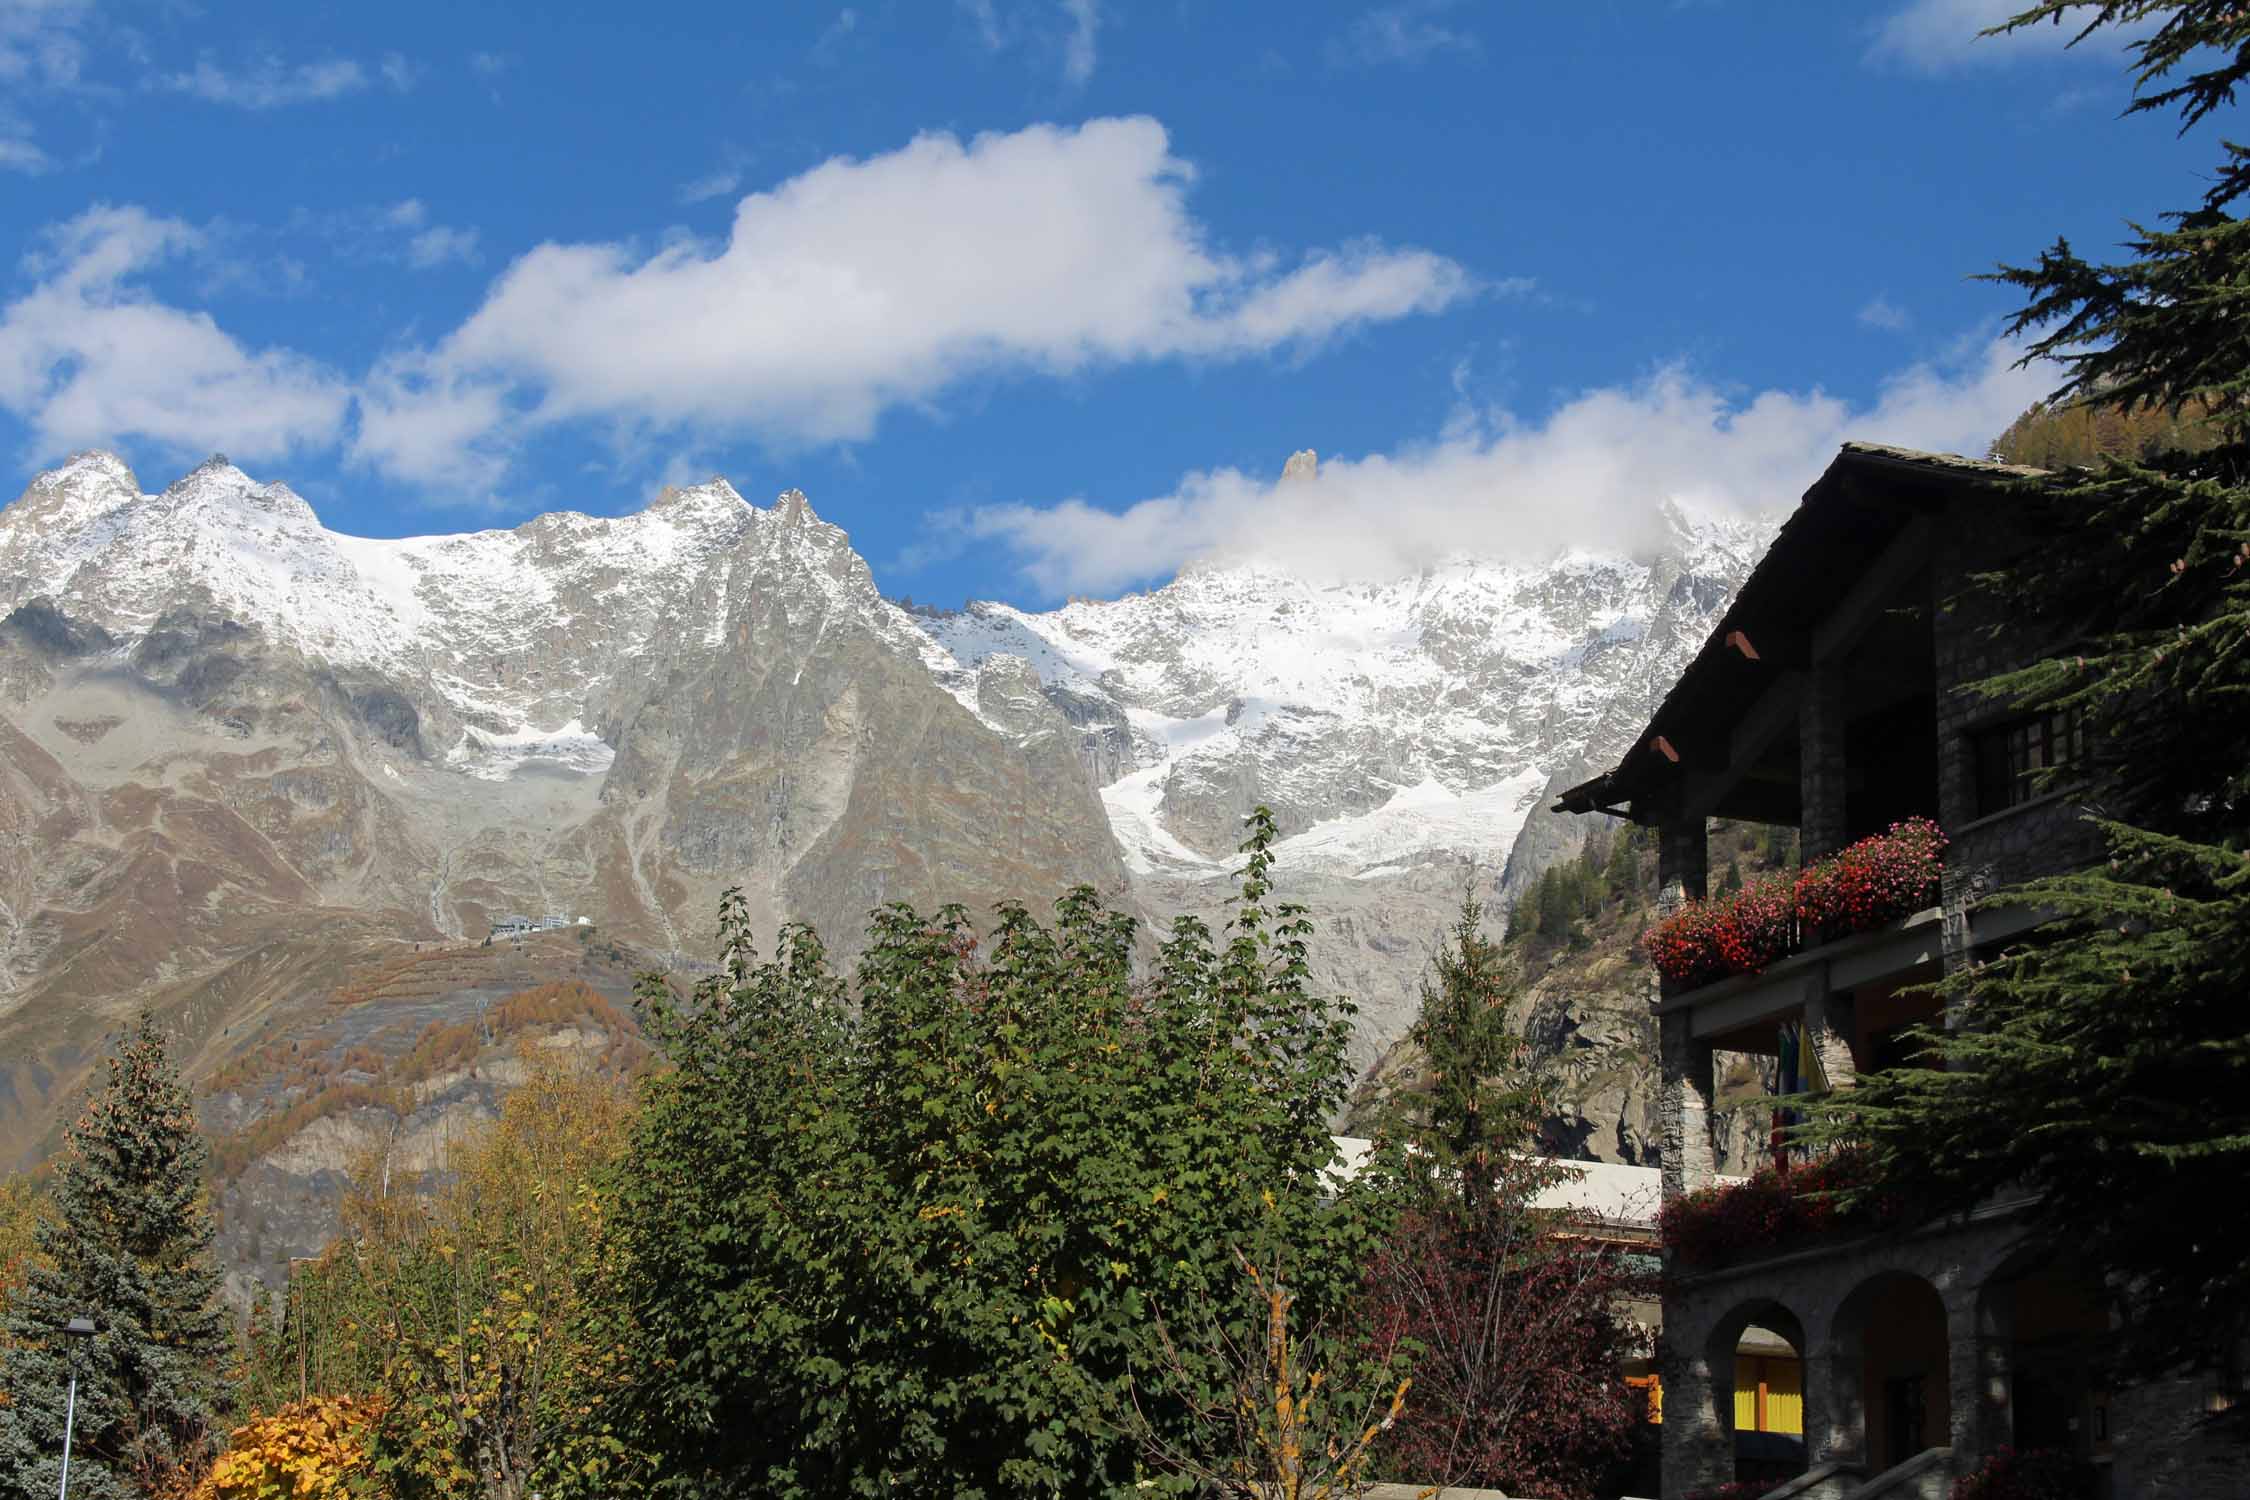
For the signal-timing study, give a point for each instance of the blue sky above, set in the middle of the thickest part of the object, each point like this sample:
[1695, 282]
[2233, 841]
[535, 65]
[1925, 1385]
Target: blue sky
[1035, 296]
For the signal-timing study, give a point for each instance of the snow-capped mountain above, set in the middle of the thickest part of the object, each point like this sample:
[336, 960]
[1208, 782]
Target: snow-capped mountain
[1383, 722]
[228, 734]
[520, 635]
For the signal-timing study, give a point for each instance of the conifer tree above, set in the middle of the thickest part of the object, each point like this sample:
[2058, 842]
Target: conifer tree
[1518, 1376]
[2106, 1061]
[1484, 1101]
[128, 1244]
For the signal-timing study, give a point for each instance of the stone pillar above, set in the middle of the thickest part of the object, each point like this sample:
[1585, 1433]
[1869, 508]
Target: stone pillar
[1698, 1437]
[1822, 829]
[1980, 1369]
[1683, 863]
[1829, 1025]
[1684, 1102]
[1835, 1418]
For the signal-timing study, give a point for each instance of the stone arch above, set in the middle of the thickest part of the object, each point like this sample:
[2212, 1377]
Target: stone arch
[1890, 1377]
[1756, 1353]
[2040, 1321]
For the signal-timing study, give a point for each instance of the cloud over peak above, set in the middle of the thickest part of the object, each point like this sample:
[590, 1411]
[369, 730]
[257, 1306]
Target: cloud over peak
[90, 355]
[1593, 474]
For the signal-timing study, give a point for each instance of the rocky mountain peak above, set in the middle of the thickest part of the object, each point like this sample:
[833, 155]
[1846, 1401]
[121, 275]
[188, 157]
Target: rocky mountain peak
[714, 497]
[93, 465]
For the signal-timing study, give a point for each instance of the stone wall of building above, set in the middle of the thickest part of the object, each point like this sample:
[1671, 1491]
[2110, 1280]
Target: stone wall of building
[1973, 641]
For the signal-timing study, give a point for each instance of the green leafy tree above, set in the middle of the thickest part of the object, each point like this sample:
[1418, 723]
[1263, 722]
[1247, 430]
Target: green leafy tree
[128, 1243]
[2105, 1063]
[923, 1240]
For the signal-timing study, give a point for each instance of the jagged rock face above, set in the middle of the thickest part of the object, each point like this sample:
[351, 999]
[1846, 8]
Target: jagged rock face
[223, 728]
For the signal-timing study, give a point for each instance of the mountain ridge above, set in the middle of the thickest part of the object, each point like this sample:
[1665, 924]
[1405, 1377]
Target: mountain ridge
[229, 725]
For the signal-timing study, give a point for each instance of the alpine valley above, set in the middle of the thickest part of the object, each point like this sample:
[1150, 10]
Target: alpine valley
[278, 785]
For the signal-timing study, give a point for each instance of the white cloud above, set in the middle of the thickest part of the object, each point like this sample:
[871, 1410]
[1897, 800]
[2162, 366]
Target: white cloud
[1881, 312]
[267, 84]
[490, 64]
[830, 44]
[712, 185]
[431, 428]
[400, 72]
[1085, 17]
[40, 41]
[42, 52]
[1592, 473]
[1403, 33]
[18, 154]
[866, 284]
[438, 244]
[90, 356]
[987, 19]
[1075, 41]
[1936, 35]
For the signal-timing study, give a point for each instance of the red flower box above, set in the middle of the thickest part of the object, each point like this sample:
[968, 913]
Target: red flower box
[1875, 881]
[1770, 1210]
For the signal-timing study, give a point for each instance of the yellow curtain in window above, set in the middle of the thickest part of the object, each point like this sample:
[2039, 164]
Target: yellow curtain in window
[1746, 1395]
[1785, 1396]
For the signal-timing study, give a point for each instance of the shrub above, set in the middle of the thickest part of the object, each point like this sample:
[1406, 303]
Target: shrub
[306, 1451]
[1717, 1224]
[2035, 1474]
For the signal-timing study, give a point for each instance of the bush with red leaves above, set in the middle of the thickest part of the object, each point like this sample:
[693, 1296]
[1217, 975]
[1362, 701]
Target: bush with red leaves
[1519, 1383]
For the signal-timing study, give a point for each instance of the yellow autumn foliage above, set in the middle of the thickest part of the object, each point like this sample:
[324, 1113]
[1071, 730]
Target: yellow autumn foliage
[308, 1450]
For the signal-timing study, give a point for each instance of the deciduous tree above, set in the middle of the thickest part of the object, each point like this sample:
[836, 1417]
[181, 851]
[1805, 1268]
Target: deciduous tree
[918, 1240]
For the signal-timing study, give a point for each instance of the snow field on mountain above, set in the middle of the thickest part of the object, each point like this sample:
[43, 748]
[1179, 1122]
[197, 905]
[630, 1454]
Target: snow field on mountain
[1392, 718]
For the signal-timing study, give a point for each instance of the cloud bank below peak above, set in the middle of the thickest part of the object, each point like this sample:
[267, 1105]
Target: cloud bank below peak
[1593, 474]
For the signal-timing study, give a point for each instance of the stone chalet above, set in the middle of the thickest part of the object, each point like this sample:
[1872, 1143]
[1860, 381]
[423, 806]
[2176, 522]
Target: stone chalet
[1831, 698]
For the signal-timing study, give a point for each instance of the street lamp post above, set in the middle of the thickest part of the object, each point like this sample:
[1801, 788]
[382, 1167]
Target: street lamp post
[77, 1330]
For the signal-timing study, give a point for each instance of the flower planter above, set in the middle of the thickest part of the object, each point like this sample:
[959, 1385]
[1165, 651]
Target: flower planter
[1874, 882]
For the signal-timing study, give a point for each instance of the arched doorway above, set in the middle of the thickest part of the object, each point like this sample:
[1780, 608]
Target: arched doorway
[2051, 1319]
[1757, 1364]
[1890, 1342]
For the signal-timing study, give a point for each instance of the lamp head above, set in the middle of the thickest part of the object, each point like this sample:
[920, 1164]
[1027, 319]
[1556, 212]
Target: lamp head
[79, 1328]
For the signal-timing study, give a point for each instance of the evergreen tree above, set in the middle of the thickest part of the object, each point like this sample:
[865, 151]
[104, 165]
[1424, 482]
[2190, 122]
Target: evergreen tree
[2106, 1062]
[1555, 903]
[1518, 1379]
[1623, 875]
[129, 1245]
[1484, 1101]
